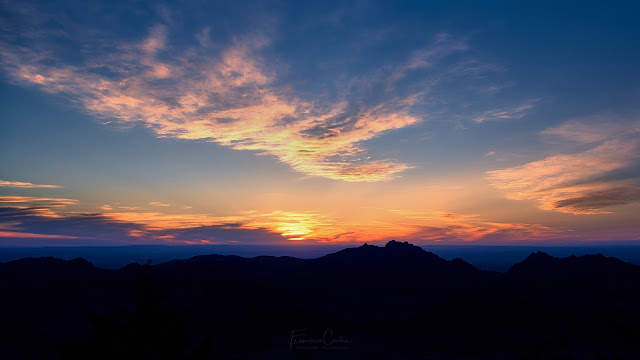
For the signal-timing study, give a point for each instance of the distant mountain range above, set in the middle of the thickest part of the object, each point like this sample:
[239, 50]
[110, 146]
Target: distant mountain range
[484, 257]
[370, 302]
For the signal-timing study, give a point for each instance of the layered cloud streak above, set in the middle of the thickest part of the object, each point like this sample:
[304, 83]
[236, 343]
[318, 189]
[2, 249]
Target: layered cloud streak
[602, 171]
[145, 226]
[26, 185]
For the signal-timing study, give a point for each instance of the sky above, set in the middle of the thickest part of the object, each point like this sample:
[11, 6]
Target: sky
[319, 122]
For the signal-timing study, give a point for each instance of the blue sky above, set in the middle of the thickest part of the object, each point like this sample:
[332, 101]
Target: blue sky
[305, 122]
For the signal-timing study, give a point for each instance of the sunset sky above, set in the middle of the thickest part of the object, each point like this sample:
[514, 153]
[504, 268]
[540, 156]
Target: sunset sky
[300, 122]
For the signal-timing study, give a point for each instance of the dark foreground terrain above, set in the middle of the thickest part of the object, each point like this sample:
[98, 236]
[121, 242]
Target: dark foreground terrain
[391, 302]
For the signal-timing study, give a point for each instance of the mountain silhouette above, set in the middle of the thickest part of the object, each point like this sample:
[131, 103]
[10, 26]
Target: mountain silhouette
[572, 278]
[375, 302]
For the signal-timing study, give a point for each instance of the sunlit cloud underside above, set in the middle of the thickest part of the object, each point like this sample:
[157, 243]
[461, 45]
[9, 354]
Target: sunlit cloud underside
[230, 97]
[603, 171]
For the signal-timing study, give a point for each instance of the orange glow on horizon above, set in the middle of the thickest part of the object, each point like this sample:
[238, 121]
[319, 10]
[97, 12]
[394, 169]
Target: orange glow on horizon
[331, 228]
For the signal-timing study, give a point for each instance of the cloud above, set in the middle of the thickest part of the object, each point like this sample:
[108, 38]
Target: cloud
[228, 93]
[589, 130]
[128, 228]
[441, 226]
[37, 200]
[43, 207]
[516, 112]
[227, 96]
[130, 208]
[158, 203]
[26, 185]
[144, 226]
[594, 200]
[322, 227]
[25, 235]
[426, 58]
[156, 40]
[290, 225]
[60, 228]
[604, 170]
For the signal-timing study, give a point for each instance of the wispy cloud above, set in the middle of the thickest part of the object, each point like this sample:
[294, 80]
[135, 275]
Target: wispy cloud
[36, 225]
[158, 203]
[10, 199]
[290, 225]
[604, 171]
[445, 45]
[329, 227]
[231, 98]
[441, 226]
[230, 94]
[262, 227]
[26, 235]
[591, 129]
[26, 185]
[130, 208]
[515, 112]
[42, 206]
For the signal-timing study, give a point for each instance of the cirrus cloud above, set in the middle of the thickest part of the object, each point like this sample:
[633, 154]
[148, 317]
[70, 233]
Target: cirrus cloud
[230, 91]
[604, 171]
[515, 112]
[26, 185]
[229, 97]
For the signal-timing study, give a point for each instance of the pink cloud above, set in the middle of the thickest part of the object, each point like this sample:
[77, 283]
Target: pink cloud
[586, 181]
[26, 235]
[231, 99]
[325, 227]
[33, 200]
[27, 185]
[158, 203]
